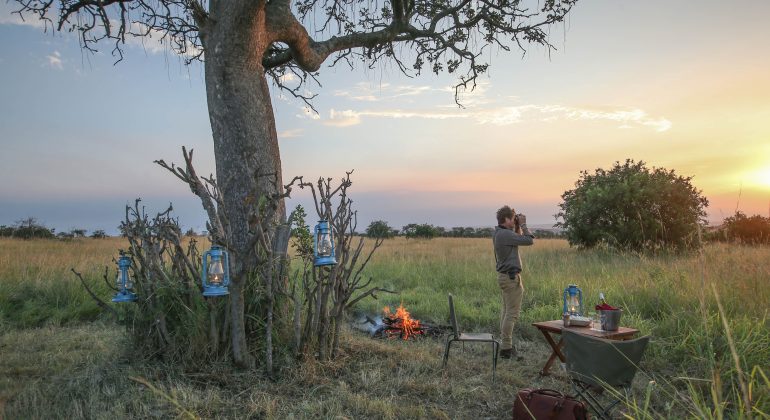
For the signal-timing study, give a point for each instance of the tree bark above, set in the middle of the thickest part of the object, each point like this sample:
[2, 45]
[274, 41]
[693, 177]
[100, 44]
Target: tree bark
[245, 142]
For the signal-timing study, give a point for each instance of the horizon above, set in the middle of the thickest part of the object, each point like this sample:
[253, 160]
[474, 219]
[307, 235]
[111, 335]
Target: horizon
[79, 134]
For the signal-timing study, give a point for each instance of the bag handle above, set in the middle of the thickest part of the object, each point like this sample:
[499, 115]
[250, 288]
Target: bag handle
[549, 392]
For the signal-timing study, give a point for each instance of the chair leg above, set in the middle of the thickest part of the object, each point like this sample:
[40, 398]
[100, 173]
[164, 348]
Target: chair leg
[446, 350]
[494, 359]
[584, 391]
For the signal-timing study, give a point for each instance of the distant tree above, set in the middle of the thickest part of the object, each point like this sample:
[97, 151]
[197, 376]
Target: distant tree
[546, 234]
[78, 233]
[190, 232]
[632, 207]
[67, 236]
[30, 228]
[379, 229]
[484, 232]
[6, 231]
[99, 234]
[413, 230]
[751, 230]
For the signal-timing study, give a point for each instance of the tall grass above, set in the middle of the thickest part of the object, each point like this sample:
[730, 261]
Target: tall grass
[698, 369]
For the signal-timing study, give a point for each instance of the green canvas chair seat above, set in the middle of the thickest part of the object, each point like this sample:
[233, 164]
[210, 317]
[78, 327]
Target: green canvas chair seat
[594, 364]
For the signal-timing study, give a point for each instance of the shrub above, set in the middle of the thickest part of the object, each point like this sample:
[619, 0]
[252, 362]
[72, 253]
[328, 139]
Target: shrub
[632, 207]
[29, 228]
[424, 230]
[751, 230]
[99, 234]
[379, 229]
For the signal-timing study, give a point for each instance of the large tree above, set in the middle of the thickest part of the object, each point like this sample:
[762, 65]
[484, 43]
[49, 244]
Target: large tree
[248, 42]
[632, 207]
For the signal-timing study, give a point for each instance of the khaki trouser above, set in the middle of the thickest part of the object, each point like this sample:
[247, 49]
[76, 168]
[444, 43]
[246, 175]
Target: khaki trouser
[512, 291]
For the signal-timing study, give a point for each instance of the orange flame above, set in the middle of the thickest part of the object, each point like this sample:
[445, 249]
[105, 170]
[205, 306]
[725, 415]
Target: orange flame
[409, 326]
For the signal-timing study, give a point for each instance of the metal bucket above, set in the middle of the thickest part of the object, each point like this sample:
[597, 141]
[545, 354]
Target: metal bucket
[611, 319]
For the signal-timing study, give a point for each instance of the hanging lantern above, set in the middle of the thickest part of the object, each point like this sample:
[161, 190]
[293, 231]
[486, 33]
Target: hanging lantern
[123, 282]
[573, 300]
[216, 272]
[323, 245]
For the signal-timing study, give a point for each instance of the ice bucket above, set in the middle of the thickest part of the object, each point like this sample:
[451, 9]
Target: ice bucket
[611, 319]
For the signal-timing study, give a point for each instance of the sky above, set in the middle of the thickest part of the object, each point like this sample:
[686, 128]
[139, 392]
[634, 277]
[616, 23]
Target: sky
[678, 84]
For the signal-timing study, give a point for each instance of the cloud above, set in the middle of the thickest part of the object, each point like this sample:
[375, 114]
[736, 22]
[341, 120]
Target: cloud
[365, 92]
[348, 117]
[293, 132]
[507, 115]
[308, 113]
[54, 61]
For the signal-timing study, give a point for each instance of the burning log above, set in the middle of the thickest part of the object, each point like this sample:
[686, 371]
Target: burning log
[399, 325]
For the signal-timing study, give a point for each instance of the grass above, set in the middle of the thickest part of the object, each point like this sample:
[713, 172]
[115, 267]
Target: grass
[60, 358]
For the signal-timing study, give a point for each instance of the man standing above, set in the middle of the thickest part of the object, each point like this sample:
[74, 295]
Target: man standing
[510, 233]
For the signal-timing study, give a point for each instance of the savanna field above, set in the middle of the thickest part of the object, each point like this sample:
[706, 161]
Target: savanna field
[62, 357]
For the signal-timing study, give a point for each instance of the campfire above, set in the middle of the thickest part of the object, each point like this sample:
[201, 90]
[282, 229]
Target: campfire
[400, 324]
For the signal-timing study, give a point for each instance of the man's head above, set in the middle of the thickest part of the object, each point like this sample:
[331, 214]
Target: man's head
[505, 216]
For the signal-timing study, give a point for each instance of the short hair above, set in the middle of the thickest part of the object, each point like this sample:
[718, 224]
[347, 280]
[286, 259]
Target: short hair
[503, 213]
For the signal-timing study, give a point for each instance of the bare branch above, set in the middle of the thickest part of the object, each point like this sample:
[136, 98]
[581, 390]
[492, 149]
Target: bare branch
[99, 302]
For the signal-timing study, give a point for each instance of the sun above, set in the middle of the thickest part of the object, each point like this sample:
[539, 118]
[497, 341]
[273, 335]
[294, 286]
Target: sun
[762, 177]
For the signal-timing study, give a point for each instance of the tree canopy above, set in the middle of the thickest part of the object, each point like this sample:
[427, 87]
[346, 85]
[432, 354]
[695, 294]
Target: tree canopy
[632, 207]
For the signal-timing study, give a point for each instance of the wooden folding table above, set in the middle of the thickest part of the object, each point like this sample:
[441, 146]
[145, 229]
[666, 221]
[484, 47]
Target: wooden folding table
[557, 326]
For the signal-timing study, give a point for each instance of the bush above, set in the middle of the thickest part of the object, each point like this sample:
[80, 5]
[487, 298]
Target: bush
[29, 228]
[751, 230]
[424, 230]
[632, 207]
[99, 234]
[379, 229]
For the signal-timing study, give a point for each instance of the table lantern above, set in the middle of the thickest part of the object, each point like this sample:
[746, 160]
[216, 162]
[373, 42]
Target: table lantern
[123, 282]
[323, 249]
[216, 272]
[573, 300]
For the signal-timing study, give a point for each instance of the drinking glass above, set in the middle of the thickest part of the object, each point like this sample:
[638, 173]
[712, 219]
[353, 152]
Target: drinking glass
[596, 322]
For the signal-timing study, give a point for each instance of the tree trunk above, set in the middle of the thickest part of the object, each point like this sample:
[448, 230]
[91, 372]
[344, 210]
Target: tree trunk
[245, 142]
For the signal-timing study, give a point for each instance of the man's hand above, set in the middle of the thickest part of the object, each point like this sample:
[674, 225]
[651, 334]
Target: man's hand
[522, 219]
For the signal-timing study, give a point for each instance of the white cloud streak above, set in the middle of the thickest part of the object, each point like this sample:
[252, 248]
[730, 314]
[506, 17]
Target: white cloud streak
[503, 116]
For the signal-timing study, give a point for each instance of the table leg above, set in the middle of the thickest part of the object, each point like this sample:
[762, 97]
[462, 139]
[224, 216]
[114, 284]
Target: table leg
[554, 354]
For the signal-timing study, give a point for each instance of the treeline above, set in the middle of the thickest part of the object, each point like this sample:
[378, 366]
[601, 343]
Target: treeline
[30, 228]
[381, 229]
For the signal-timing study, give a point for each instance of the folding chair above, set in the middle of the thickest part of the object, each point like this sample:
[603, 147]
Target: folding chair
[595, 364]
[456, 335]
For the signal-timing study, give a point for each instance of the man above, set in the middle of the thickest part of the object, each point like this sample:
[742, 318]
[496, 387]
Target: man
[510, 233]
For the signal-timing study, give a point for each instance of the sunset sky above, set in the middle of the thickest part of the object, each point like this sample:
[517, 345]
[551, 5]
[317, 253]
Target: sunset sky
[683, 85]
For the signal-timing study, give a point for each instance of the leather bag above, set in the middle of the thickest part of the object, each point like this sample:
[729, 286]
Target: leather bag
[547, 404]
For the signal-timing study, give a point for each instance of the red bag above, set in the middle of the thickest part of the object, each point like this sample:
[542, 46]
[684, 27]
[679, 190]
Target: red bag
[542, 404]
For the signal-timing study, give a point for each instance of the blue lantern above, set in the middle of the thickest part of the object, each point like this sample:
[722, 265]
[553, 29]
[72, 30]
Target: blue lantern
[216, 272]
[323, 249]
[573, 300]
[124, 283]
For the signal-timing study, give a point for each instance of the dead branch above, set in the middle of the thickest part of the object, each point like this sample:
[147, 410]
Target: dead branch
[98, 301]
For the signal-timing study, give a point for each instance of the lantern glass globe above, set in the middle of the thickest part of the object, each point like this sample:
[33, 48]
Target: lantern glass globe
[216, 272]
[325, 245]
